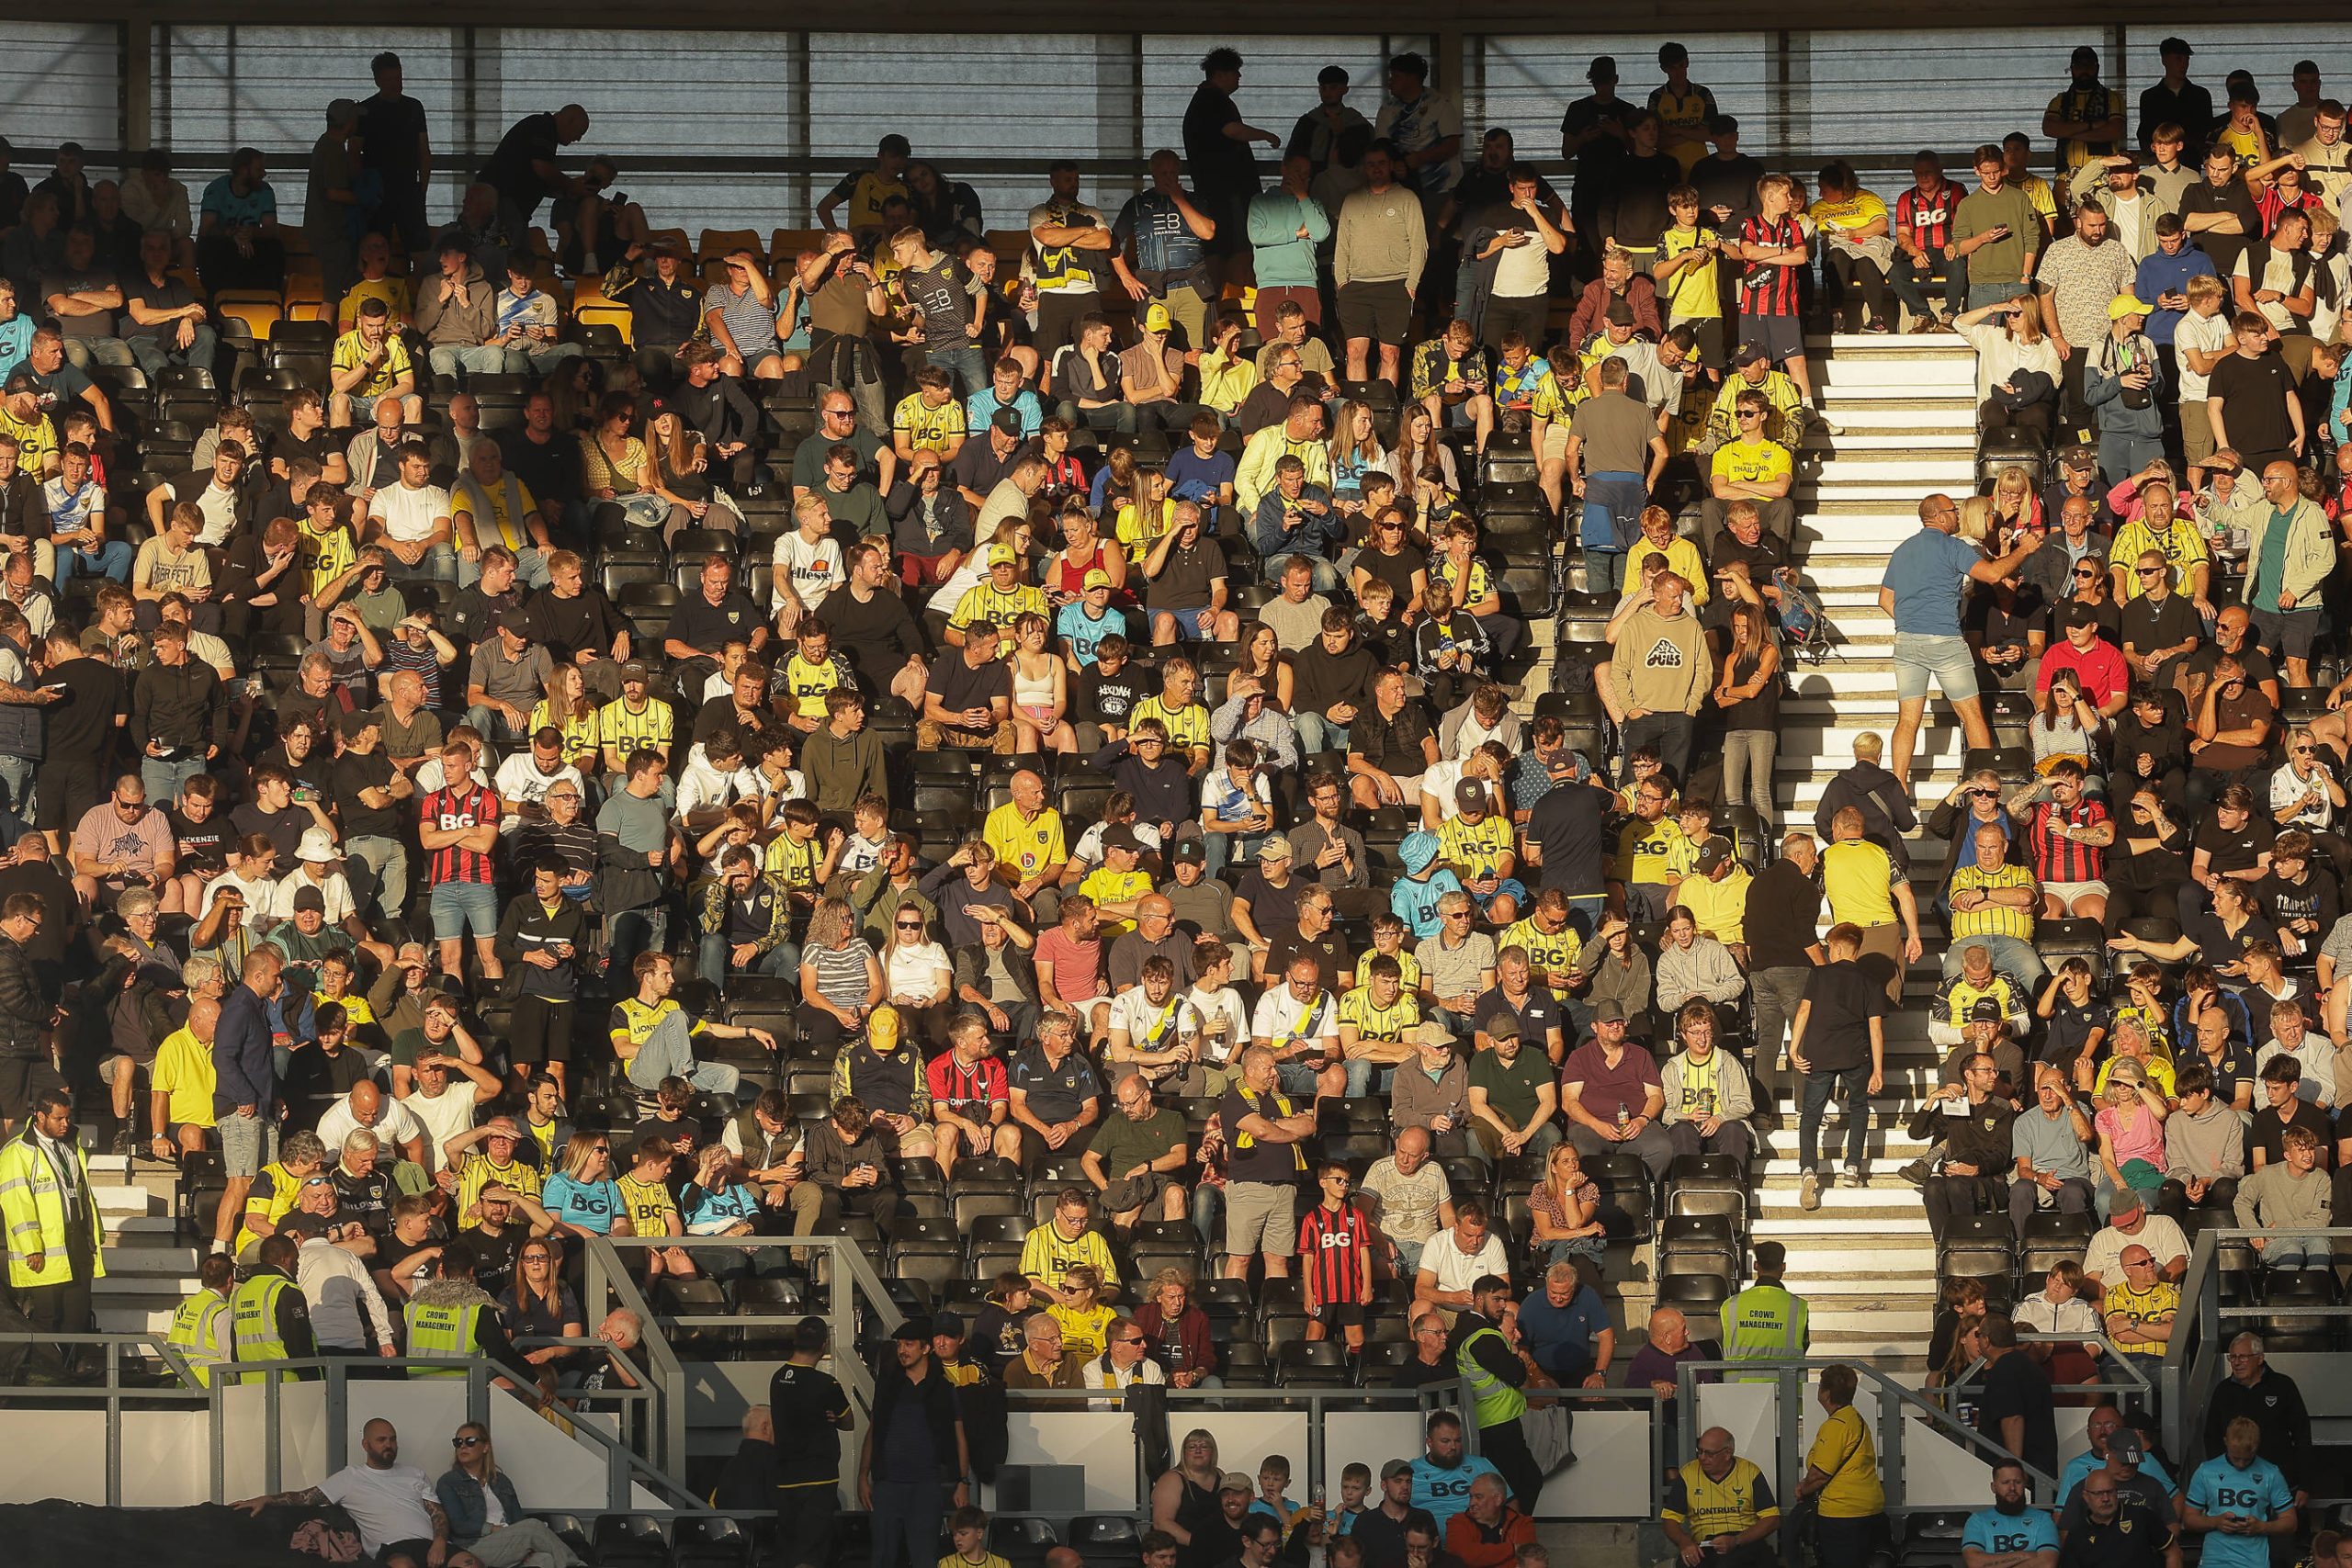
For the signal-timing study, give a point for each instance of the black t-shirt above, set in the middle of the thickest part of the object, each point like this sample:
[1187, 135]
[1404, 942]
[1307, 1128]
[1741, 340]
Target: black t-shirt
[81, 724]
[1273, 909]
[315, 1072]
[2252, 659]
[1838, 1031]
[1330, 954]
[978, 468]
[354, 773]
[2002, 628]
[2268, 1136]
[172, 294]
[286, 447]
[367, 1198]
[876, 636]
[2133, 1538]
[701, 625]
[532, 140]
[550, 470]
[2148, 624]
[1276, 1163]
[1567, 827]
[1397, 571]
[2254, 394]
[958, 686]
[2236, 1067]
[1184, 576]
[2216, 946]
[1218, 162]
[806, 1403]
[495, 1256]
[389, 129]
[2015, 1385]
[202, 846]
[2070, 1029]
[2315, 898]
[2234, 848]
[2231, 196]
[1392, 745]
[1642, 185]
[283, 828]
[1106, 698]
[587, 619]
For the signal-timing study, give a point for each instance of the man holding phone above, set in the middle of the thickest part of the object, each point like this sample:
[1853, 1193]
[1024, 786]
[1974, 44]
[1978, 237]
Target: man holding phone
[1995, 231]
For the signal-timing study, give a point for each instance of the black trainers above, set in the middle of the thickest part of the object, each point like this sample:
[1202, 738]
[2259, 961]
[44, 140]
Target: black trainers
[1916, 1173]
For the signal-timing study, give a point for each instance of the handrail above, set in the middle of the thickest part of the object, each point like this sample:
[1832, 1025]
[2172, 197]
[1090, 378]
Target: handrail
[2194, 1361]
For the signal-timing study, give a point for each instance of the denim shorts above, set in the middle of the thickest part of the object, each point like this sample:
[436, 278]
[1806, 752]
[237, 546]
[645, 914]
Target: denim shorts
[246, 1143]
[457, 905]
[1947, 659]
[1190, 624]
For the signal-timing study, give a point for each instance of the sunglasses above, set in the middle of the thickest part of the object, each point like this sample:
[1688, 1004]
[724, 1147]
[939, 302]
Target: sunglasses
[2149, 570]
[467, 1442]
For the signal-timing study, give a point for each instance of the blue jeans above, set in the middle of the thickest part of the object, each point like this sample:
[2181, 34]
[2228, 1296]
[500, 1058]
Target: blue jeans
[164, 778]
[447, 359]
[17, 786]
[2011, 956]
[1907, 281]
[969, 364]
[1224, 849]
[1318, 733]
[540, 360]
[1850, 1085]
[1366, 1076]
[440, 563]
[2298, 1252]
[632, 932]
[777, 961]
[459, 906]
[149, 353]
[530, 569]
[109, 560]
[1983, 294]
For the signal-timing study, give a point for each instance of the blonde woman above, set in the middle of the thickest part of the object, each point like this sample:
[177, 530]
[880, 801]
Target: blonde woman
[564, 704]
[1355, 452]
[2018, 369]
[2131, 1128]
[918, 977]
[1566, 1211]
[1040, 691]
[841, 979]
[1747, 690]
[467, 1489]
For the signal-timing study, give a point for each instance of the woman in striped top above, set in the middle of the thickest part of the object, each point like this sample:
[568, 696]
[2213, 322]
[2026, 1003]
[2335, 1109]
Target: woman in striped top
[840, 980]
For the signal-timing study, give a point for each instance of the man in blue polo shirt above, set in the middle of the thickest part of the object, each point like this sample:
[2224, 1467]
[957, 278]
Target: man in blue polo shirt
[1441, 1477]
[2238, 1500]
[1924, 578]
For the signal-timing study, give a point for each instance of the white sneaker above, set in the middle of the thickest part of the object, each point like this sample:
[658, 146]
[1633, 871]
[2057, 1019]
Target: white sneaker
[1858, 1176]
[1809, 1194]
[1822, 423]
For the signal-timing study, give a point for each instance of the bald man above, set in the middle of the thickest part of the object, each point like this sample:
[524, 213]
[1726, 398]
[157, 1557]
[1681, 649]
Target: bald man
[394, 1125]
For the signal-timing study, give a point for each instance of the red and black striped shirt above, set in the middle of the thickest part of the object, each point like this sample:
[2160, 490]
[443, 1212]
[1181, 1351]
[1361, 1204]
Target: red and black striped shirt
[1330, 1249]
[472, 807]
[1767, 289]
[2066, 860]
[1926, 216]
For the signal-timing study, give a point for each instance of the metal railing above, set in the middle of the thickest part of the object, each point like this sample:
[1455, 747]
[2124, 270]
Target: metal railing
[2194, 1362]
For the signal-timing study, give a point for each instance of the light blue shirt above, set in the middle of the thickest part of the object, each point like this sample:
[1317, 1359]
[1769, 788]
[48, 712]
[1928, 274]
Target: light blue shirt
[1415, 903]
[1442, 1494]
[1927, 574]
[2258, 1492]
[2083, 1463]
[16, 342]
[1282, 260]
[1997, 1534]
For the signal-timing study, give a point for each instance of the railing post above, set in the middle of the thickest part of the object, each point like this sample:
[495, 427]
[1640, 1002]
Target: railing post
[1787, 1391]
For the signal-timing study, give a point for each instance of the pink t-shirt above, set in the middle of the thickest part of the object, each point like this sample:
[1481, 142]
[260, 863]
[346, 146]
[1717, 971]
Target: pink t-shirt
[2144, 1139]
[103, 835]
[1078, 965]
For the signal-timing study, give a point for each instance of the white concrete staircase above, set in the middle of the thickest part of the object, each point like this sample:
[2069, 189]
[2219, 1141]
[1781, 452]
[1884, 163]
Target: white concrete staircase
[149, 1268]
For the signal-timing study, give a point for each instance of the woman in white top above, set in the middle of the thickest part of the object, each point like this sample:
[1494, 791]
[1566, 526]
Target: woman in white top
[1040, 691]
[2011, 345]
[917, 977]
[1418, 450]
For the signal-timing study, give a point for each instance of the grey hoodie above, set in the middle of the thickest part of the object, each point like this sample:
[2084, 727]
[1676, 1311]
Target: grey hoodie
[447, 324]
[2209, 1145]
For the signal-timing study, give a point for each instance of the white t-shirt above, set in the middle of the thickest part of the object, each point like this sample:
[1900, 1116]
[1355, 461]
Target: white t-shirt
[387, 1504]
[1284, 1020]
[2316, 1057]
[1089, 851]
[914, 971]
[814, 571]
[1455, 1269]
[2280, 277]
[445, 1117]
[701, 785]
[1221, 1008]
[336, 890]
[408, 514]
[1154, 1027]
[263, 903]
[519, 780]
[2039, 1314]
[2159, 1235]
[395, 1126]
[2205, 334]
[2285, 789]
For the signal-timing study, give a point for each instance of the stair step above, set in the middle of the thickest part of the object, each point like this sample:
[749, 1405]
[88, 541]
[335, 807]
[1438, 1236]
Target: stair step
[173, 1287]
[117, 1318]
[125, 1200]
[145, 1261]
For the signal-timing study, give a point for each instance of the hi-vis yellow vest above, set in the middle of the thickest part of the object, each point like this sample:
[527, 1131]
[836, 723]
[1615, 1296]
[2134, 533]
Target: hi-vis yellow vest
[200, 1329]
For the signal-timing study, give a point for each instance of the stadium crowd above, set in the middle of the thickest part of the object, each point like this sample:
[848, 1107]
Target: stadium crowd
[907, 732]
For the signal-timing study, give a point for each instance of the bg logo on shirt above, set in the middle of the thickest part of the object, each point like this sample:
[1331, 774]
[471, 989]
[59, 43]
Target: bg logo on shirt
[1664, 654]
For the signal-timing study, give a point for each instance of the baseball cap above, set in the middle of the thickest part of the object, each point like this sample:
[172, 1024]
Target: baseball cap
[2124, 305]
[1237, 1481]
[1276, 847]
[1395, 1468]
[1002, 555]
[2080, 457]
[946, 1325]
[1608, 1012]
[2126, 1446]
[1191, 849]
[1470, 793]
[1155, 318]
[302, 1223]
[1620, 314]
[21, 381]
[1987, 1011]
[514, 621]
[309, 898]
[2126, 1201]
[1008, 421]
[632, 670]
[359, 719]
[1095, 577]
[1751, 354]
[915, 1327]
[1503, 1026]
[1713, 854]
[1122, 838]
